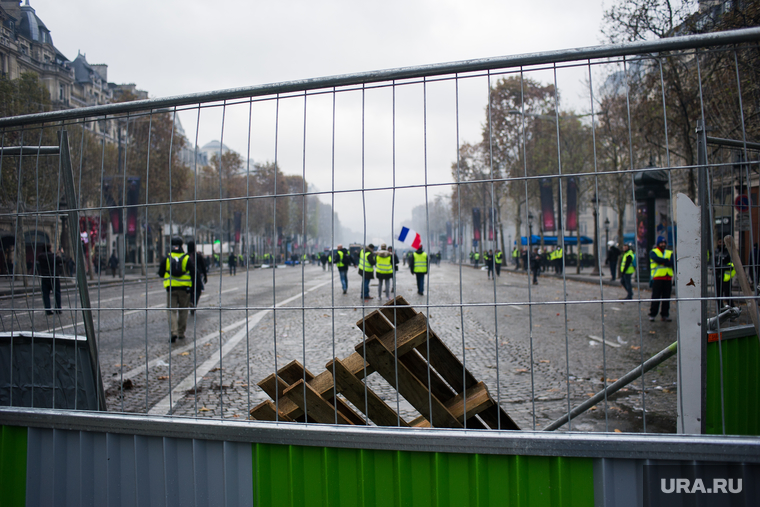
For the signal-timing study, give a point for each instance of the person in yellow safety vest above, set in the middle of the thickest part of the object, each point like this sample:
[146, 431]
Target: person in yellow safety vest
[627, 269]
[516, 257]
[499, 258]
[176, 270]
[724, 273]
[488, 259]
[661, 272]
[367, 269]
[304, 259]
[343, 260]
[384, 270]
[418, 264]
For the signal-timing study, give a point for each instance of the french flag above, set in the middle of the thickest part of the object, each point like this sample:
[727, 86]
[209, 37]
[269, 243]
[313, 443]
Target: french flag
[410, 237]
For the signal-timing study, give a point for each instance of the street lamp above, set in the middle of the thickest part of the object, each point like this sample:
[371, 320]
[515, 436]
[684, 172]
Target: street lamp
[607, 231]
[595, 203]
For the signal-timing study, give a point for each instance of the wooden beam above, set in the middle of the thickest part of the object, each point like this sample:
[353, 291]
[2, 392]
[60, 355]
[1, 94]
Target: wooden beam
[311, 403]
[354, 390]
[409, 386]
[267, 411]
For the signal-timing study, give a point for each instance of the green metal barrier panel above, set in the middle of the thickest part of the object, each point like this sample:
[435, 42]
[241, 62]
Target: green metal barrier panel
[13, 466]
[740, 387]
[295, 475]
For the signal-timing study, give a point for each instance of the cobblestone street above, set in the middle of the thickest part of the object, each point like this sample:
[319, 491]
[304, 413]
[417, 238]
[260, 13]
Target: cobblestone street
[567, 361]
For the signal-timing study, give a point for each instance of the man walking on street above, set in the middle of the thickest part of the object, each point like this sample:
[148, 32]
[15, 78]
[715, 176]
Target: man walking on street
[535, 264]
[516, 257]
[343, 260]
[384, 269]
[395, 268]
[176, 270]
[113, 263]
[418, 264]
[367, 269]
[51, 270]
[499, 259]
[199, 275]
[232, 262]
[661, 270]
[613, 253]
[627, 268]
[489, 263]
[724, 272]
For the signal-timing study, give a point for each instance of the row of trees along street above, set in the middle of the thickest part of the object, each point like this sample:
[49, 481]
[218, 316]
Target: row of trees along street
[203, 199]
[645, 113]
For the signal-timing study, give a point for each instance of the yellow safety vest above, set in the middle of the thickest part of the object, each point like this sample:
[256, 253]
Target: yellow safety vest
[184, 280]
[515, 253]
[631, 269]
[364, 264]
[658, 270]
[728, 275]
[340, 259]
[499, 257]
[420, 262]
[384, 265]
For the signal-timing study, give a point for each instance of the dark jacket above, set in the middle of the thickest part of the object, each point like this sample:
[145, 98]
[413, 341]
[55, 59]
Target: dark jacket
[49, 264]
[347, 259]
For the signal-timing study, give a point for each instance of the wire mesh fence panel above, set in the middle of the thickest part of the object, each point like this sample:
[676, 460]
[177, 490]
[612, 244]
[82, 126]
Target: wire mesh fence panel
[490, 244]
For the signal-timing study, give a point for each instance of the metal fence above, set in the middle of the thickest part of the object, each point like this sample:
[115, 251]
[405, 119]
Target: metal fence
[579, 152]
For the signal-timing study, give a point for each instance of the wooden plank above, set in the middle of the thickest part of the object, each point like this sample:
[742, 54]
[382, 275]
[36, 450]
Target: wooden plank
[409, 386]
[270, 386]
[447, 364]
[407, 336]
[293, 372]
[398, 311]
[417, 365]
[310, 402]
[355, 364]
[475, 398]
[374, 324]
[491, 417]
[354, 390]
[420, 422]
[346, 411]
[450, 368]
[266, 411]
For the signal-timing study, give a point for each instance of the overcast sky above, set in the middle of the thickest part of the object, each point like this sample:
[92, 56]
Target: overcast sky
[174, 47]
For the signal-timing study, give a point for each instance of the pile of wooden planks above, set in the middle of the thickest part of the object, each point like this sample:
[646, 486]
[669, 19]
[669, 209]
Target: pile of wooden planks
[401, 347]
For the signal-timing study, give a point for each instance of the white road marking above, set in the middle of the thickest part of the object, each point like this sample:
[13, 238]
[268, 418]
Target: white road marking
[611, 344]
[164, 406]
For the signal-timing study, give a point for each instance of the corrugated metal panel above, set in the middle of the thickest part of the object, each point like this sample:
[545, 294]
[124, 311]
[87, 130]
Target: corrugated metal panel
[84, 468]
[13, 445]
[741, 386]
[294, 475]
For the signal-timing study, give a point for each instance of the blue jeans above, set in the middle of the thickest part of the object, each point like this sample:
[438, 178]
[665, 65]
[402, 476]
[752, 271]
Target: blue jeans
[626, 280]
[421, 282]
[365, 287]
[344, 279]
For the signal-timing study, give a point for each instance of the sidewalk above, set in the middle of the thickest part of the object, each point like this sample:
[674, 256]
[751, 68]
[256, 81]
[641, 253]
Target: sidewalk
[8, 288]
[585, 276]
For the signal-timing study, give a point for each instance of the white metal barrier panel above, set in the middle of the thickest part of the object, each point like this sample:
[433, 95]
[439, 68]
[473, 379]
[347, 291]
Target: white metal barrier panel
[558, 241]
